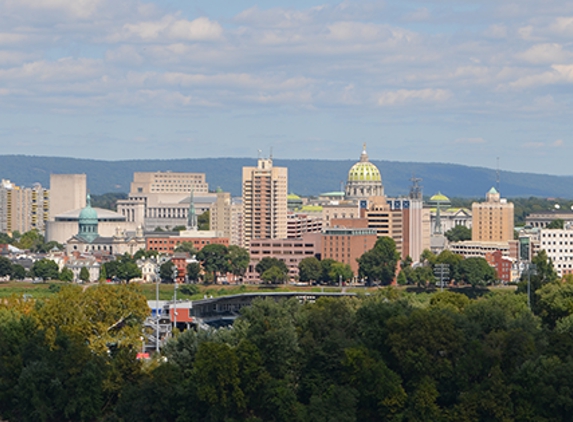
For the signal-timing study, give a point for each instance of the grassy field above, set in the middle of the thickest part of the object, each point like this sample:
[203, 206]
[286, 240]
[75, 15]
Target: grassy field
[38, 291]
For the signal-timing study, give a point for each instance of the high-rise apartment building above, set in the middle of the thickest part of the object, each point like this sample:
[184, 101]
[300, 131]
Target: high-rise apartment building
[226, 217]
[264, 201]
[23, 209]
[67, 192]
[492, 220]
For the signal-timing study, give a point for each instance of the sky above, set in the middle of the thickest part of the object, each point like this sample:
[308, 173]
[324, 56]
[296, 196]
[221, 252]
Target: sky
[468, 82]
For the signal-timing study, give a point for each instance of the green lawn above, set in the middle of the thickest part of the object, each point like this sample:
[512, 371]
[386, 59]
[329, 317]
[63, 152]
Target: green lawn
[8, 289]
[36, 291]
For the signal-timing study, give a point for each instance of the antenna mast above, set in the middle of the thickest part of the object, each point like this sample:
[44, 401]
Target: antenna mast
[497, 175]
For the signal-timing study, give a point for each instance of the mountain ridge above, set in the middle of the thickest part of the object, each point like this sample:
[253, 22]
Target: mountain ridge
[306, 176]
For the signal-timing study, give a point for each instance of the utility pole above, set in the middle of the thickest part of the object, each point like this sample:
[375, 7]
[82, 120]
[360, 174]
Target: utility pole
[157, 278]
[442, 272]
[175, 273]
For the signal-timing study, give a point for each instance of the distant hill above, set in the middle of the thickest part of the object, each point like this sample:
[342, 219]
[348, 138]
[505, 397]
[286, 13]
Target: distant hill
[306, 177]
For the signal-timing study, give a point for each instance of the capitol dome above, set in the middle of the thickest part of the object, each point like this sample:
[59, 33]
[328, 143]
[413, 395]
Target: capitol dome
[364, 179]
[364, 172]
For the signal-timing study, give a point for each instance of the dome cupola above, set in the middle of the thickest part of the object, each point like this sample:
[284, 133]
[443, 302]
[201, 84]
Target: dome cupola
[364, 179]
[88, 222]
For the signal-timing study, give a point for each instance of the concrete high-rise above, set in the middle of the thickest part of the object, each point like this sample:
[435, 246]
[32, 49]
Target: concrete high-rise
[492, 220]
[264, 201]
[67, 192]
[23, 209]
[226, 216]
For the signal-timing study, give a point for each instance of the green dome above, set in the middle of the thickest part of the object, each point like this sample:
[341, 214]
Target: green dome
[88, 223]
[439, 197]
[364, 172]
[88, 215]
[293, 196]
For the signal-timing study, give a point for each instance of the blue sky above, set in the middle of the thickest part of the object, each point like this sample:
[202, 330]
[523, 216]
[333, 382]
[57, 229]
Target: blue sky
[435, 81]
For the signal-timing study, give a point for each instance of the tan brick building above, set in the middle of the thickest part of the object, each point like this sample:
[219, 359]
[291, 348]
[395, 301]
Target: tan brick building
[492, 220]
[264, 201]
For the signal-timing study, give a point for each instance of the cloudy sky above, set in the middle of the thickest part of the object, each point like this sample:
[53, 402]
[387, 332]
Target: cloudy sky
[444, 81]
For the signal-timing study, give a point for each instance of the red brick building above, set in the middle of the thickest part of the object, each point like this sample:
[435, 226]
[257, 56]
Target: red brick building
[164, 243]
[501, 264]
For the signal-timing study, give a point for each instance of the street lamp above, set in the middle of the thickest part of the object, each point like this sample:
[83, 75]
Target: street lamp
[157, 279]
[175, 273]
[530, 269]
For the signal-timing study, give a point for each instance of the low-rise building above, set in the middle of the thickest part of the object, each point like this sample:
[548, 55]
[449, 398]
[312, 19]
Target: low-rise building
[167, 242]
[558, 244]
[290, 251]
[346, 245]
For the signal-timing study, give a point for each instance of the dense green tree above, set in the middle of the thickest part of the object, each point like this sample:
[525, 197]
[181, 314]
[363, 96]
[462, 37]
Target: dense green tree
[402, 279]
[102, 274]
[379, 263]
[167, 271]
[124, 268]
[239, 259]
[274, 275]
[66, 275]
[193, 271]
[214, 259]
[186, 247]
[178, 228]
[325, 266]
[428, 257]
[554, 302]
[453, 261]
[309, 269]
[203, 220]
[142, 254]
[46, 269]
[218, 382]
[476, 271]
[458, 233]
[268, 262]
[18, 272]
[5, 239]
[556, 224]
[5, 267]
[541, 273]
[340, 272]
[30, 240]
[84, 275]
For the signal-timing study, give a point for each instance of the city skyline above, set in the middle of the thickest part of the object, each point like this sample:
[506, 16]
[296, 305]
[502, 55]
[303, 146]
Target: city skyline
[427, 81]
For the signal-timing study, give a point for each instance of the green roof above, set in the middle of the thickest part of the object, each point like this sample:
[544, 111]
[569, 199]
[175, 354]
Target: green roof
[332, 194]
[309, 208]
[439, 197]
[493, 190]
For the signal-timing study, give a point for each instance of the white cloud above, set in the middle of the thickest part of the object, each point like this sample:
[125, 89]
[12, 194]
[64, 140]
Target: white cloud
[563, 25]
[171, 28]
[406, 95]
[545, 53]
[558, 143]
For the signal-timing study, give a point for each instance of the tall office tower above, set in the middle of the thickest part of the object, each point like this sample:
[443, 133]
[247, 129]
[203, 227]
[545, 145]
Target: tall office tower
[492, 220]
[220, 214]
[264, 201]
[23, 209]
[67, 192]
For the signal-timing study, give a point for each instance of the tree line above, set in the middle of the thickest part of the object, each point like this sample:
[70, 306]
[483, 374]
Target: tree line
[391, 356]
